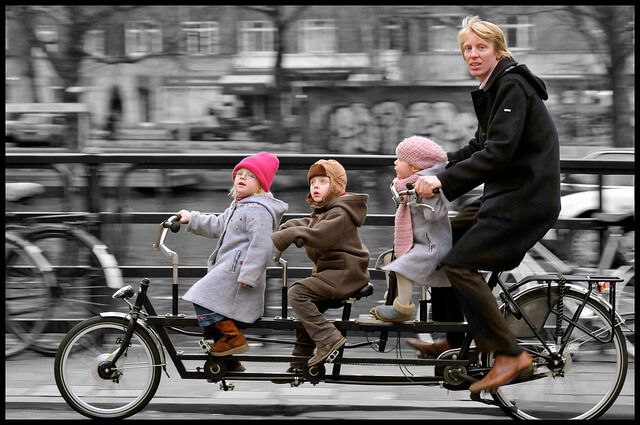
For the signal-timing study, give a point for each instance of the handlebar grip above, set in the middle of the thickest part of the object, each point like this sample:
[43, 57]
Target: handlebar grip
[173, 225]
[299, 242]
[410, 187]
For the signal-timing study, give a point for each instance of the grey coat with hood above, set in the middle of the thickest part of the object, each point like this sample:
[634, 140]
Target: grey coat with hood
[431, 240]
[241, 255]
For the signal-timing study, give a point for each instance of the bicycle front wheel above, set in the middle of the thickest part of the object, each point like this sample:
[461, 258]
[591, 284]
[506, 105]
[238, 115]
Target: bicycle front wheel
[84, 384]
[580, 381]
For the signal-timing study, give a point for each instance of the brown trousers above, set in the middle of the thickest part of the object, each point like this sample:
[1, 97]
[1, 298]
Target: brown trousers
[307, 302]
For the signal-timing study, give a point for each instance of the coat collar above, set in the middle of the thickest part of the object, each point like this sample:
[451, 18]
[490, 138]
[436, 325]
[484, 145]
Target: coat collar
[503, 66]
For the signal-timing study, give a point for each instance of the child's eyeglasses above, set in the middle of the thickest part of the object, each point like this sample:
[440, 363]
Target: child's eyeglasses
[244, 175]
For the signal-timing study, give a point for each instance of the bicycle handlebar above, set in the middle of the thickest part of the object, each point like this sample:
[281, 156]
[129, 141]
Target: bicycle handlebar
[173, 224]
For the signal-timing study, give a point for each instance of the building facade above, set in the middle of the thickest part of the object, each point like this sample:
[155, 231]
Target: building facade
[355, 78]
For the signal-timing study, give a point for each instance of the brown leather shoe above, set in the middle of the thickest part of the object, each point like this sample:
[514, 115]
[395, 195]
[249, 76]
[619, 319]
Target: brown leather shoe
[504, 370]
[426, 349]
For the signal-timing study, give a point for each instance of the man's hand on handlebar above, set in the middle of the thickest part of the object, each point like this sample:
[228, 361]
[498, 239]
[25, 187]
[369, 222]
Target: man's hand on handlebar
[427, 186]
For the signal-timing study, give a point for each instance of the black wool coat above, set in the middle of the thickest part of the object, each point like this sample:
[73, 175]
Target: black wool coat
[515, 153]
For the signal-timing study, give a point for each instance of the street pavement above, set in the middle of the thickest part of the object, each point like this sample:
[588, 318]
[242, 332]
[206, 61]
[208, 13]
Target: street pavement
[31, 393]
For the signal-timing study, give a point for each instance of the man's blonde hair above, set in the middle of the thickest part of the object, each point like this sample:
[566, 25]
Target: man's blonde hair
[486, 31]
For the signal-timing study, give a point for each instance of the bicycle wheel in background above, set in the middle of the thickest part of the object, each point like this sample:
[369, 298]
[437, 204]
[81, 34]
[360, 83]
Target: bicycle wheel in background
[589, 373]
[29, 283]
[96, 392]
[86, 273]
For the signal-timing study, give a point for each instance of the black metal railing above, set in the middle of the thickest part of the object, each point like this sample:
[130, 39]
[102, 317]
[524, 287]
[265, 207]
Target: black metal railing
[92, 187]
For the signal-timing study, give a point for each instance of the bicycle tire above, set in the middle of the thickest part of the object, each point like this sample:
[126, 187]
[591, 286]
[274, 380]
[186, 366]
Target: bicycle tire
[120, 396]
[29, 281]
[86, 273]
[592, 373]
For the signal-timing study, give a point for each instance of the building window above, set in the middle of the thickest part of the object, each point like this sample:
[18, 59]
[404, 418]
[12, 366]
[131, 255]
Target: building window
[201, 37]
[318, 36]
[442, 33]
[142, 38]
[390, 34]
[518, 30]
[256, 36]
[94, 42]
[48, 34]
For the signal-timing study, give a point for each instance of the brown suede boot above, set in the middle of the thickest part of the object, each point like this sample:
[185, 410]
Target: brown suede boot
[232, 342]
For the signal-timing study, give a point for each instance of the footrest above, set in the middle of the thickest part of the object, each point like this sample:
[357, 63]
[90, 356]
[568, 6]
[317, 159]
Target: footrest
[370, 319]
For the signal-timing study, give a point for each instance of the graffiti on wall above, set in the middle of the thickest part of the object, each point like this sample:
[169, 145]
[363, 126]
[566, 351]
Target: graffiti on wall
[358, 128]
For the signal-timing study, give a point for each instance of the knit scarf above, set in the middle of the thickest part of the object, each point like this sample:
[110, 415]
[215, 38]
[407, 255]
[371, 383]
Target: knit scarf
[403, 229]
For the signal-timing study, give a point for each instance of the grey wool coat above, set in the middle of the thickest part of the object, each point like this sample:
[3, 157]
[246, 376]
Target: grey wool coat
[241, 255]
[431, 240]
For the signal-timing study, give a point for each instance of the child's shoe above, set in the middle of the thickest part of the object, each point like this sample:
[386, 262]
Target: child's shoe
[394, 313]
[232, 342]
[324, 351]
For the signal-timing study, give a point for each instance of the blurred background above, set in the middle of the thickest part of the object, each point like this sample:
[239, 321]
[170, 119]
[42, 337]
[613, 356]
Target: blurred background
[292, 80]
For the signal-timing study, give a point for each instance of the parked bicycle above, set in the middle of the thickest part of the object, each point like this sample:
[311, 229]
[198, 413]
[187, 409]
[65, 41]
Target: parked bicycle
[110, 366]
[85, 273]
[29, 283]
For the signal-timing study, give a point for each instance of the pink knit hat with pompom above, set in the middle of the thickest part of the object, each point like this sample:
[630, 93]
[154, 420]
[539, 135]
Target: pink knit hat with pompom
[263, 165]
[420, 152]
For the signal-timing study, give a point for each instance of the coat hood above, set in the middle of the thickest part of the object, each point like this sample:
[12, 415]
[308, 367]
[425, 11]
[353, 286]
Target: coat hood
[433, 170]
[508, 65]
[275, 206]
[355, 204]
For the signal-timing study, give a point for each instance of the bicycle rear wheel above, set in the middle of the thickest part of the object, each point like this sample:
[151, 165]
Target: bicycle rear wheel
[82, 289]
[587, 376]
[29, 281]
[93, 392]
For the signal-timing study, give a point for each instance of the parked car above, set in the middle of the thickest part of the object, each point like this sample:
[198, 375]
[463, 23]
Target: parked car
[580, 199]
[40, 128]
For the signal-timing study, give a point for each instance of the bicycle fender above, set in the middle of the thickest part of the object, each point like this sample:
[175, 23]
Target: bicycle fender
[110, 266]
[143, 324]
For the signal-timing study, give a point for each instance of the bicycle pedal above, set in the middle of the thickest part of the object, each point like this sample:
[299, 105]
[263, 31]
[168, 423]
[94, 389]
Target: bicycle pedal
[230, 386]
[204, 345]
[332, 356]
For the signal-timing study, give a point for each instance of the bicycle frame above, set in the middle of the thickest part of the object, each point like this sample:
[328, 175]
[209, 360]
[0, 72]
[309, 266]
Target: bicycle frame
[535, 308]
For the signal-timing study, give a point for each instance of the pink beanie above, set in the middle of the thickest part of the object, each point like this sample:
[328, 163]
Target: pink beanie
[420, 152]
[263, 165]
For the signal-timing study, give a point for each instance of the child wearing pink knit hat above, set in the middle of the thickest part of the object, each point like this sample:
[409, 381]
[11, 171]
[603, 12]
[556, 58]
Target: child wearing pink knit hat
[422, 229]
[234, 286]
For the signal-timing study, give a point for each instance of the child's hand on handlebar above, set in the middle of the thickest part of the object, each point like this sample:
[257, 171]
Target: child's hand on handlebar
[427, 186]
[184, 216]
